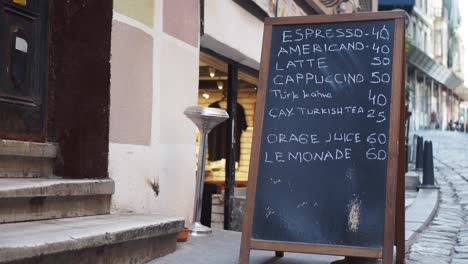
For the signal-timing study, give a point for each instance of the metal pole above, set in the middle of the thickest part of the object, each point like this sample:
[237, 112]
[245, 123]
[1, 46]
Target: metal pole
[450, 103]
[439, 105]
[200, 176]
[205, 118]
[466, 116]
[451, 106]
[231, 154]
[430, 101]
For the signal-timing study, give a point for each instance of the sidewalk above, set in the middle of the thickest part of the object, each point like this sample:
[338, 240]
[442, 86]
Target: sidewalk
[223, 247]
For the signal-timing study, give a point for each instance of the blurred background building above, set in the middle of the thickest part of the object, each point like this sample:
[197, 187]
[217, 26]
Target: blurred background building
[436, 94]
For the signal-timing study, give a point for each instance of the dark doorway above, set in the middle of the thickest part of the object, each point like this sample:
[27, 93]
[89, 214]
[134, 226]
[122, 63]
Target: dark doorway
[23, 69]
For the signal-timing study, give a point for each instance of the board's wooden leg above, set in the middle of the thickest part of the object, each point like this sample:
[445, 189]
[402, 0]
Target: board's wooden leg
[244, 255]
[400, 194]
[400, 202]
[400, 211]
[400, 255]
[279, 254]
[400, 216]
[387, 257]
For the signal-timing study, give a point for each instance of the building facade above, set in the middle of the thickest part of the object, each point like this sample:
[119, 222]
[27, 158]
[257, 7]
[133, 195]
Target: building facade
[154, 69]
[435, 85]
[151, 142]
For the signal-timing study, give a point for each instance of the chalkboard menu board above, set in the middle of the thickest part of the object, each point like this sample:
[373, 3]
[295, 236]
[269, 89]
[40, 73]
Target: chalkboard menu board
[324, 149]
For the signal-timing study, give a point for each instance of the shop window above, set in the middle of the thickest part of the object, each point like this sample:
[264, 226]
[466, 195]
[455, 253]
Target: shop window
[415, 32]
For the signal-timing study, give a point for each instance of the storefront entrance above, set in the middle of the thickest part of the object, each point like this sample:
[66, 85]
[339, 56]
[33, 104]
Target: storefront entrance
[216, 89]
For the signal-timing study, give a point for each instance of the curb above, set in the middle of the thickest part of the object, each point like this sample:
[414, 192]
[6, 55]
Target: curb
[420, 214]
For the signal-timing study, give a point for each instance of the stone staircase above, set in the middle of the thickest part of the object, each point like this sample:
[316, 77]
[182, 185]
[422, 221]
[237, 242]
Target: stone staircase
[24, 199]
[19, 159]
[47, 219]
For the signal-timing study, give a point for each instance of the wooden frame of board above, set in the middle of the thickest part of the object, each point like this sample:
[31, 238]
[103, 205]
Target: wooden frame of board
[394, 147]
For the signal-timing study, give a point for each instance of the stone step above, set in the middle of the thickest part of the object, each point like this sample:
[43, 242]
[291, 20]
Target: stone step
[26, 159]
[26, 199]
[104, 239]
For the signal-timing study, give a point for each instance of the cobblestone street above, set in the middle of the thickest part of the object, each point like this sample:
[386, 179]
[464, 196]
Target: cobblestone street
[445, 240]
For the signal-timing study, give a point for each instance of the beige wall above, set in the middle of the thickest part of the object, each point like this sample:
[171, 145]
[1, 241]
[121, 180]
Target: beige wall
[141, 10]
[181, 22]
[132, 85]
[154, 78]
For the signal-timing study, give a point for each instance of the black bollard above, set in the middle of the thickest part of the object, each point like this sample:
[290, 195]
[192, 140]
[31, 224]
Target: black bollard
[419, 153]
[428, 168]
[279, 254]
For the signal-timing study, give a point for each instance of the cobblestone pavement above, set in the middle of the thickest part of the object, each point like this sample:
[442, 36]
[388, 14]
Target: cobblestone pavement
[445, 240]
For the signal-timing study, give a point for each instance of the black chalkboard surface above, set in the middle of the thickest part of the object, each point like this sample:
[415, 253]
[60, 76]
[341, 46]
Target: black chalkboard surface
[323, 155]
[322, 149]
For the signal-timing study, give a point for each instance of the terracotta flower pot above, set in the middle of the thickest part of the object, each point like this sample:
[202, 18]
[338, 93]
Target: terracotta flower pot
[183, 235]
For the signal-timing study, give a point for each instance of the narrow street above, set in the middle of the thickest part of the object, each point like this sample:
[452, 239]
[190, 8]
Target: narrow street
[445, 240]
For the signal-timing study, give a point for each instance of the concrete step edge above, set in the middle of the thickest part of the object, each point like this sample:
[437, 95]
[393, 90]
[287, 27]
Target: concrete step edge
[39, 238]
[40, 187]
[28, 149]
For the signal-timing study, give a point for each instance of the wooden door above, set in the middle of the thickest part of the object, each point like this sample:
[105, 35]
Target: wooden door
[23, 69]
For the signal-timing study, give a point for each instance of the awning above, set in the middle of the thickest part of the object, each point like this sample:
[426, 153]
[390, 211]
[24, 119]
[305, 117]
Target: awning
[434, 69]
